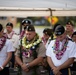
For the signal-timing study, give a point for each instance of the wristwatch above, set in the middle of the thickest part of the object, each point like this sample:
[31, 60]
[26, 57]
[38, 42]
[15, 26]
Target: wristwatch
[27, 65]
[2, 67]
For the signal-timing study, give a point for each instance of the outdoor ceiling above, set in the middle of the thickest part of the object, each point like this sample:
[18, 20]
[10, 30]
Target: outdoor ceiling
[23, 8]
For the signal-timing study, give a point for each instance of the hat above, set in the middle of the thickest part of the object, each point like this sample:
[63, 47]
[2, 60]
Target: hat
[47, 31]
[26, 21]
[9, 24]
[30, 28]
[69, 23]
[55, 26]
[1, 27]
[59, 30]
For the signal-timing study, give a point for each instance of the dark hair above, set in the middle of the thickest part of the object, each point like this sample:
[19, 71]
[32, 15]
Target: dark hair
[9, 24]
[74, 33]
[1, 27]
[26, 21]
[47, 31]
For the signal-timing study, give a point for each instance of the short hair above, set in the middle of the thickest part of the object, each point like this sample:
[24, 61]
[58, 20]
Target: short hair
[74, 33]
[9, 24]
[1, 27]
[47, 31]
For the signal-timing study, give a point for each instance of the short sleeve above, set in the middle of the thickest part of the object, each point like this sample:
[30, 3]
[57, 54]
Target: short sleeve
[41, 50]
[10, 47]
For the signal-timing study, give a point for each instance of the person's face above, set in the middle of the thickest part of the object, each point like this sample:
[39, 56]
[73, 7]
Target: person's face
[69, 28]
[74, 38]
[46, 37]
[61, 37]
[9, 29]
[30, 35]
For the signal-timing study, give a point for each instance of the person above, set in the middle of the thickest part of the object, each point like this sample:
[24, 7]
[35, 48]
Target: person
[47, 36]
[13, 37]
[74, 36]
[33, 52]
[24, 23]
[6, 49]
[60, 52]
[74, 40]
[69, 29]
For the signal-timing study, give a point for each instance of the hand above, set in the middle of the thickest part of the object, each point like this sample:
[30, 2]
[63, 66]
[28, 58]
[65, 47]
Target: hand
[55, 70]
[24, 67]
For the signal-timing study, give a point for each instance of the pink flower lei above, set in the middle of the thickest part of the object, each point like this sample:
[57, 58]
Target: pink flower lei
[2, 42]
[59, 53]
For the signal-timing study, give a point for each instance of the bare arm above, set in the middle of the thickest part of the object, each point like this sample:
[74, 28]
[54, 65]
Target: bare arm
[50, 62]
[36, 61]
[9, 55]
[66, 63]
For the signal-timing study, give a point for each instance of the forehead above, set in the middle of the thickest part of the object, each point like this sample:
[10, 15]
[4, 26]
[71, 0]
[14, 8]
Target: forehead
[69, 25]
[74, 35]
[9, 26]
[29, 32]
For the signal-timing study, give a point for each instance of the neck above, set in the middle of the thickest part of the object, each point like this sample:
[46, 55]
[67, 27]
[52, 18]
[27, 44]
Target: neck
[1, 36]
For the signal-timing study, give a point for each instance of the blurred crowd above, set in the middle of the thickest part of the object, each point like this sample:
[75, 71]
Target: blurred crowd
[53, 53]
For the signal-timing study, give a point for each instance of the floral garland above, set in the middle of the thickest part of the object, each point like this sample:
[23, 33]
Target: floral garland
[10, 35]
[2, 42]
[32, 46]
[59, 53]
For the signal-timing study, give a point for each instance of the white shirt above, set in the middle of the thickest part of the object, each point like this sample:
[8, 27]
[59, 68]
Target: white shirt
[8, 47]
[69, 53]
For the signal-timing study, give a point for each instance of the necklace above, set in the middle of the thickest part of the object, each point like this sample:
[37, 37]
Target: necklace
[60, 53]
[30, 47]
[10, 35]
[2, 42]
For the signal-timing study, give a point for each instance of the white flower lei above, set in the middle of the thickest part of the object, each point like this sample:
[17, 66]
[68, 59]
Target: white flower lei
[30, 45]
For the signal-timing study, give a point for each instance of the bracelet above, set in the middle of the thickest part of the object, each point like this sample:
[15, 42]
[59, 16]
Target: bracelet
[2, 67]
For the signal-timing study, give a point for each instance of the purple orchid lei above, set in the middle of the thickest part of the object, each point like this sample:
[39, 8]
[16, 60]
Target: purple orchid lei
[2, 42]
[60, 53]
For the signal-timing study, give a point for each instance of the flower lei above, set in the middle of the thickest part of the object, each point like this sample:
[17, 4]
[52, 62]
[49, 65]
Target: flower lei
[32, 46]
[59, 53]
[2, 42]
[11, 34]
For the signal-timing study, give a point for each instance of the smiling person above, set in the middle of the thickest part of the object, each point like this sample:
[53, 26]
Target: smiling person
[6, 49]
[33, 51]
[60, 52]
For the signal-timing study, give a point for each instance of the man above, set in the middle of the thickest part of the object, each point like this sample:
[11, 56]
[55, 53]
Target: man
[60, 52]
[13, 37]
[69, 29]
[6, 49]
[33, 52]
[47, 36]
[24, 23]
